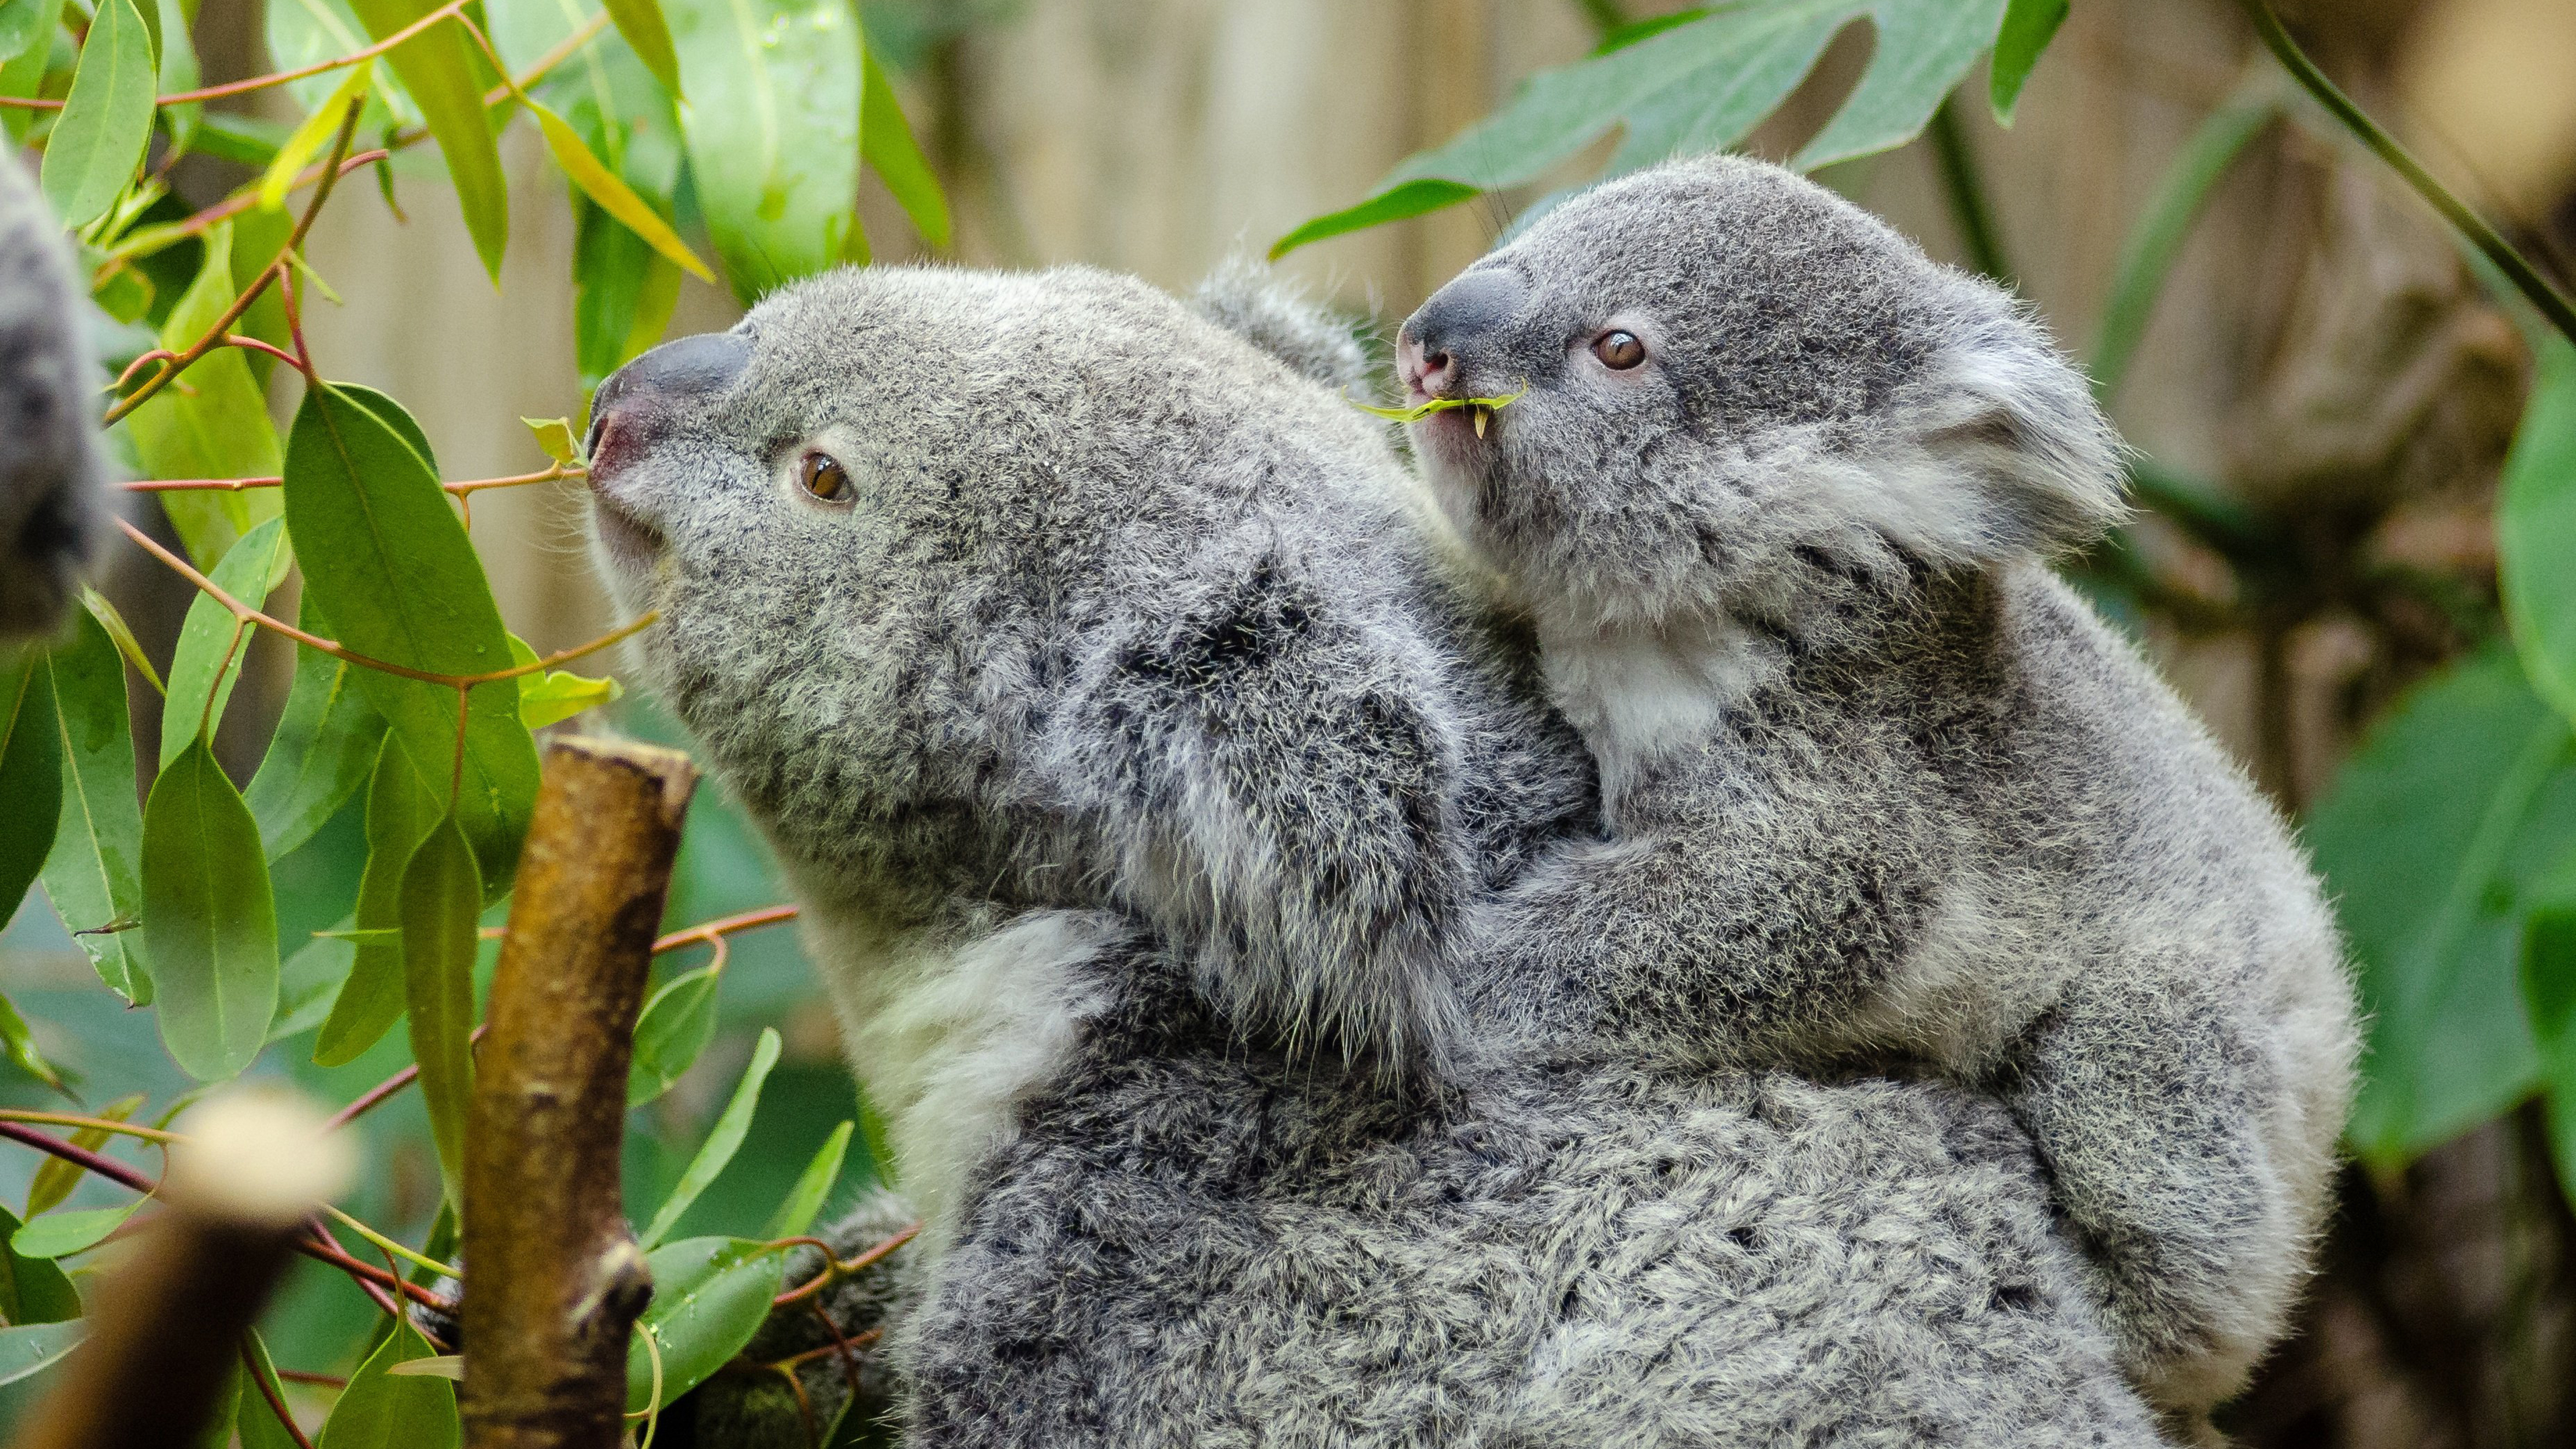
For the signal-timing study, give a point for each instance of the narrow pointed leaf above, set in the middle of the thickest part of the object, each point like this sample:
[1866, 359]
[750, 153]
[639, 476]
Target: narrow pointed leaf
[30, 1349]
[107, 119]
[2536, 528]
[1395, 203]
[640, 21]
[213, 423]
[308, 139]
[389, 564]
[771, 121]
[613, 195]
[2028, 27]
[309, 982]
[672, 1033]
[254, 1422]
[179, 72]
[401, 811]
[20, 1044]
[98, 606]
[382, 1410]
[436, 72]
[208, 660]
[35, 1291]
[555, 435]
[60, 1235]
[886, 139]
[57, 1178]
[710, 1295]
[31, 771]
[94, 875]
[208, 918]
[722, 1141]
[325, 744]
[796, 1213]
[2147, 258]
[441, 897]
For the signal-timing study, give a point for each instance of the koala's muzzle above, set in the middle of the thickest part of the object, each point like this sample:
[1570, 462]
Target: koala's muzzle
[690, 367]
[1442, 339]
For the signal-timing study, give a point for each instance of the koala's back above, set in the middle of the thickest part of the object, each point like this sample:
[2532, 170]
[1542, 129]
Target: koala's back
[1192, 1243]
[51, 468]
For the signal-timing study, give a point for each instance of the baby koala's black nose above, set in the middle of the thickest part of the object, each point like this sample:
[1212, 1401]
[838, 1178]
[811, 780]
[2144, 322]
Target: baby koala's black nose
[708, 362]
[1439, 337]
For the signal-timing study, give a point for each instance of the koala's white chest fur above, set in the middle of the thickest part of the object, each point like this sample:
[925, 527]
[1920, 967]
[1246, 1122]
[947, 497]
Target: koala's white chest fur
[948, 1030]
[1638, 693]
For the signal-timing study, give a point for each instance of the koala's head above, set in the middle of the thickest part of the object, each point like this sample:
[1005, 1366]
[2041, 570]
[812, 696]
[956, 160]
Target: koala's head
[1734, 377]
[1039, 590]
[52, 470]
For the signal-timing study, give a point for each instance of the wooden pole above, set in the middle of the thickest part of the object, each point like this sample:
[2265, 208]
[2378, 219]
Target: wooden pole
[553, 1279]
[166, 1326]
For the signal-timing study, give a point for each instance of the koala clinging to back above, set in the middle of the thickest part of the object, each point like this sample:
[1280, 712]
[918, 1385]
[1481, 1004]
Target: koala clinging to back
[1778, 500]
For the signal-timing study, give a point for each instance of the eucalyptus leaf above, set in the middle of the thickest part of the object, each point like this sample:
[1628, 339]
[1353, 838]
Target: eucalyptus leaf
[641, 22]
[771, 121]
[2147, 257]
[611, 194]
[23, 74]
[400, 814]
[796, 1213]
[31, 772]
[2549, 994]
[36, 1291]
[106, 122]
[94, 875]
[59, 1235]
[309, 982]
[673, 1032]
[209, 919]
[20, 1045]
[29, 1349]
[2459, 800]
[710, 1295]
[22, 24]
[211, 423]
[2028, 27]
[57, 1178]
[178, 62]
[382, 1410]
[2536, 527]
[886, 140]
[254, 1421]
[435, 69]
[208, 660]
[441, 898]
[389, 564]
[723, 1140]
[326, 742]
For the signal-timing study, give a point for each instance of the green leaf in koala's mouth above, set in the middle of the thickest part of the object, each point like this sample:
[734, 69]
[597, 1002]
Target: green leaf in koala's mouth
[1428, 406]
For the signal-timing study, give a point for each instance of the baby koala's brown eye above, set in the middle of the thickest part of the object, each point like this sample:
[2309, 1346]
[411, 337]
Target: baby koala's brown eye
[1619, 351]
[824, 477]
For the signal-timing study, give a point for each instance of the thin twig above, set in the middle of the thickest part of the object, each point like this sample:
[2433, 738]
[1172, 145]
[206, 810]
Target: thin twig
[276, 1403]
[832, 1270]
[238, 485]
[275, 78]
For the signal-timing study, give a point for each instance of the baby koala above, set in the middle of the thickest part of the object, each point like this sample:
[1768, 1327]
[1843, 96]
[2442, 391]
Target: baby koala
[1779, 500]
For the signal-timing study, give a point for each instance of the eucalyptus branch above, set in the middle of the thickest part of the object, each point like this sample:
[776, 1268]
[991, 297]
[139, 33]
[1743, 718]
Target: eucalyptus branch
[839, 1268]
[2526, 279]
[452, 10]
[268, 1393]
[237, 485]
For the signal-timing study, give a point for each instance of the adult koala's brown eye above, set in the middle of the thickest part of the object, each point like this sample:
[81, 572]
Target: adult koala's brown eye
[823, 476]
[1619, 351]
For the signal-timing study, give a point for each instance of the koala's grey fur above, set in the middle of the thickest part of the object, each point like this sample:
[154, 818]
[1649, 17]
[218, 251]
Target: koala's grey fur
[53, 473]
[1123, 630]
[1877, 782]
[1249, 300]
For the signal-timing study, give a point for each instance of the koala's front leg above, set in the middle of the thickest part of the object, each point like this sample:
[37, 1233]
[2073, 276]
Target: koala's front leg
[836, 1344]
[2147, 1099]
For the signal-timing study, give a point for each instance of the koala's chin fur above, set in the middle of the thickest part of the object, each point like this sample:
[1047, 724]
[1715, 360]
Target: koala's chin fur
[1139, 750]
[1879, 785]
[53, 508]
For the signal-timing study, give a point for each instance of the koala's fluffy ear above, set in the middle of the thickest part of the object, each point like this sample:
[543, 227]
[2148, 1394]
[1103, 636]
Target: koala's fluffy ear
[1273, 313]
[2002, 412]
[1276, 772]
[52, 472]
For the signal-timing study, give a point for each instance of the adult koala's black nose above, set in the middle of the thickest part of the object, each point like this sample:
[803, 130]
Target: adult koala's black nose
[1443, 334]
[691, 366]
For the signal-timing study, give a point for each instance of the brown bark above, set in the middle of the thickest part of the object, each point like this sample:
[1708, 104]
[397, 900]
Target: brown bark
[171, 1317]
[554, 1279]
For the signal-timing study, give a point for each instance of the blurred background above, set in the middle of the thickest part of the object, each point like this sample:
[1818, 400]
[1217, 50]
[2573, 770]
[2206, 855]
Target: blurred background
[2321, 354]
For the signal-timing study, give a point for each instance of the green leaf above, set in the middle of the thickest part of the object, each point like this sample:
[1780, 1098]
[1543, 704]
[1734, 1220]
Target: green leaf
[59, 1235]
[674, 1030]
[316, 131]
[55, 1178]
[30, 1349]
[2458, 800]
[22, 24]
[21, 1047]
[94, 875]
[441, 898]
[391, 567]
[250, 141]
[31, 773]
[722, 1141]
[326, 741]
[2536, 528]
[211, 423]
[253, 1420]
[178, 54]
[613, 195]
[23, 75]
[624, 295]
[885, 139]
[555, 435]
[400, 814]
[208, 917]
[1696, 86]
[771, 121]
[710, 1295]
[35, 1291]
[394, 1411]
[796, 1213]
[2148, 255]
[208, 660]
[2549, 994]
[435, 70]
[2028, 27]
[121, 634]
[640, 21]
[302, 33]
[309, 983]
[107, 119]
[557, 695]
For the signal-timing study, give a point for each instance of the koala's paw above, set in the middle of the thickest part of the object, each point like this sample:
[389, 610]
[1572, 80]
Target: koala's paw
[835, 1345]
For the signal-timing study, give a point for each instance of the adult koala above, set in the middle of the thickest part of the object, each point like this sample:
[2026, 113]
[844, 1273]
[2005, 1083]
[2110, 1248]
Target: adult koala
[52, 471]
[1135, 750]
